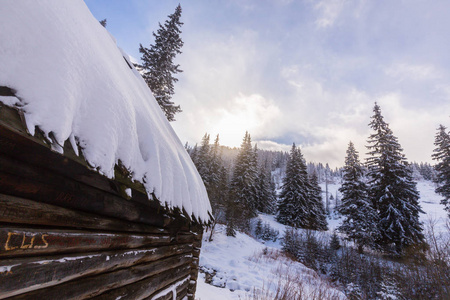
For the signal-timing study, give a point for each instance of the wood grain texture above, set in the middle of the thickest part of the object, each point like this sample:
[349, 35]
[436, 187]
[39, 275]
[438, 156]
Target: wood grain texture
[19, 275]
[88, 287]
[22, 211]
[15, 242]
[148, 287]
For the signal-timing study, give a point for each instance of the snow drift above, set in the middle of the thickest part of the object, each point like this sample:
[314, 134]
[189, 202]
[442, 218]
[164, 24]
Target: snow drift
[73, 81]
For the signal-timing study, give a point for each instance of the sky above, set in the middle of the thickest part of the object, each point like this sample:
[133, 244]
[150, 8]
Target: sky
[301, 71]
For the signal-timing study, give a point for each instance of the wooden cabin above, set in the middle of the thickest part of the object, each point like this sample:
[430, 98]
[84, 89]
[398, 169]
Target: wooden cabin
[69, 232]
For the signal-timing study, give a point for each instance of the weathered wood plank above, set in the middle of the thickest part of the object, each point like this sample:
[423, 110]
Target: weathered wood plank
[19, 276]
[181, 291]
[15, 241]
[22, 211]
[30, 151]
[34, 151]
[76, 196]
[94, 285]
[148, 287]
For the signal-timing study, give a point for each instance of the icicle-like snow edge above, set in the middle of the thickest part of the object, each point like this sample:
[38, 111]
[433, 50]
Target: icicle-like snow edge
[73, 81]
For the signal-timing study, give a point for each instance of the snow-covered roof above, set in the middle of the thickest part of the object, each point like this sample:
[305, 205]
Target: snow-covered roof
[73, 81]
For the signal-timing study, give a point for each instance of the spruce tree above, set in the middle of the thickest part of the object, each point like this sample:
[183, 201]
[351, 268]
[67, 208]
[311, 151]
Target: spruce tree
[203, 160]
[442, 156]
[103, 22]
[210, 166]
[392, 190]
[265, 196]
[157, 66]
[218, 185]
[293, 206]
[360, 222]
[243, 184]
[317, 215]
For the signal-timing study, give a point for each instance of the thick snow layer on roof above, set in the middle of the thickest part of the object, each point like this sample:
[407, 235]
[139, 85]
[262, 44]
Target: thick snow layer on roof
[72, 80]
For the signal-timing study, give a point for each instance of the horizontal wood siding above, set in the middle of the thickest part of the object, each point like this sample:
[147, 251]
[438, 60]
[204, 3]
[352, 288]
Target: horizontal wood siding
[67, 232]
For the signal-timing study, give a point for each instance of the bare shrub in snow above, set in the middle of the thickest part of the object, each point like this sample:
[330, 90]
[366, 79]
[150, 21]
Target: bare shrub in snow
[291, 284]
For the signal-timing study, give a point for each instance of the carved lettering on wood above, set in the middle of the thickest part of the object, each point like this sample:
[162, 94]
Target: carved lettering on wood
[16, 240]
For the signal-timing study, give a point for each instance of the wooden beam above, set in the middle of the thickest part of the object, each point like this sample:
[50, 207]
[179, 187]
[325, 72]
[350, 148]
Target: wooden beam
[181, 293]
[16, 241]
[23, 275]
[22, 211]
[148, 287]
[95, 285]
[79, 197]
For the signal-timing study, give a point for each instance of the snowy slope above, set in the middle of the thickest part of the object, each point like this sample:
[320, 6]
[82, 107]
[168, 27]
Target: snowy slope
[73, 81]
[241, 268]
[430, 202]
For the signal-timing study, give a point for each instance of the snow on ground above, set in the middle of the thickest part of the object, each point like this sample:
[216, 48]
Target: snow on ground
[430, 202]
[74, 83]
[241, 267]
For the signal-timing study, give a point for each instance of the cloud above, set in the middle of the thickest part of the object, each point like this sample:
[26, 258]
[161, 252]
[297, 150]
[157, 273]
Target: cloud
[252, 113]
[272, 146]
[403, 71]
[329, 11]
[310, 71]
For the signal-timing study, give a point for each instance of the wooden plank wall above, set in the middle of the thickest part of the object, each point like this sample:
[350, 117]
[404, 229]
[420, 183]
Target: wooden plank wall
[66, 232]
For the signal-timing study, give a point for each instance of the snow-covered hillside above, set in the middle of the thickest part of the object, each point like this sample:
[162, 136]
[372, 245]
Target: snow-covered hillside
[243, 265]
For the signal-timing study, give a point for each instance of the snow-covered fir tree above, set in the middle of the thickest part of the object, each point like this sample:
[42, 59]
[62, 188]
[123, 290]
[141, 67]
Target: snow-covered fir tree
[193, 153]
[243, 185]
[157, 66]
[209, 163]
[265, 190]
[427, 171]
[360, 218]
[218, 189]
[317, 215]
[294, 205]
[442, 155]
[392, 190]
[203, 160]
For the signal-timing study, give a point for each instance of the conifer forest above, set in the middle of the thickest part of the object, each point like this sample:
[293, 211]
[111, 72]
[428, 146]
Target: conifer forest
[380, 249]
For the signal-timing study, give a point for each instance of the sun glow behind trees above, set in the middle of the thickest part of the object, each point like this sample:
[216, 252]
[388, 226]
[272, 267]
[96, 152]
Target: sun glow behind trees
[248, 112]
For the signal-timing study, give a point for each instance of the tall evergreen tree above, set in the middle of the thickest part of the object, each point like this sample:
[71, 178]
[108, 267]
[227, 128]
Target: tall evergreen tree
[317, 215]
[442, 156]
[243, 184]
[218, 185]
[392, 189]
[157, 65]
[209, 163]
[203, 160]
[360, 218]
[266, 197]
[293, 206]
